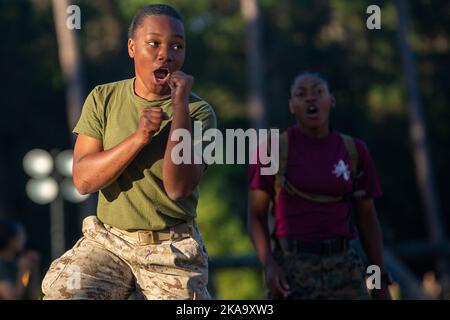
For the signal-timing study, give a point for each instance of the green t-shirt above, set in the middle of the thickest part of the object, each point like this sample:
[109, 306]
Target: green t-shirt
[137, 199]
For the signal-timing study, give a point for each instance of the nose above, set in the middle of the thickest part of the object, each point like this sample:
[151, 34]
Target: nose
[165, 54]
[310, 98]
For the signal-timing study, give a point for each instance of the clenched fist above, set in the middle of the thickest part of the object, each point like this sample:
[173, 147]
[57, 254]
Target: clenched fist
[181, 85]
[149, 123]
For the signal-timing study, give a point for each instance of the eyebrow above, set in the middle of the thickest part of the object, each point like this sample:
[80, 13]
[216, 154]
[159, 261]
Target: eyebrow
[160, 35]
[314, 85]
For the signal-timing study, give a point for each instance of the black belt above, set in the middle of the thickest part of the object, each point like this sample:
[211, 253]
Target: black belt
[324, 247]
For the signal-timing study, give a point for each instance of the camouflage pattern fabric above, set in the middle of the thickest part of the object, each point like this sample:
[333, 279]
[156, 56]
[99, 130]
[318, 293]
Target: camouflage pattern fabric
[104, 265]
[323, 277]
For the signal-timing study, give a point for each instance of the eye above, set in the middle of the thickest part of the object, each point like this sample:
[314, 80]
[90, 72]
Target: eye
[177, 46]
[154, 44]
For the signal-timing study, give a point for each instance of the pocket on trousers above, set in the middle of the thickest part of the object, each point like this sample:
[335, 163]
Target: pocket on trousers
[57, 267]
[54, 272]
[190, 253]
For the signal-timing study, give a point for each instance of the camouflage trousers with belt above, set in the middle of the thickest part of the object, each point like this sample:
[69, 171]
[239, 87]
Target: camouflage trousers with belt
[323, 277]
[105, 265]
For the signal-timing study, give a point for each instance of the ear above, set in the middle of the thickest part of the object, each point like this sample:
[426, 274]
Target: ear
[291, 107]
[131, 48]
[333, 101]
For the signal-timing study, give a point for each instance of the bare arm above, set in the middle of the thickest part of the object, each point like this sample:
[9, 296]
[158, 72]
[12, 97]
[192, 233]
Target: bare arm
[370, 232]
[180, 179]
[258, 206]
[94, 168]
[371, 236]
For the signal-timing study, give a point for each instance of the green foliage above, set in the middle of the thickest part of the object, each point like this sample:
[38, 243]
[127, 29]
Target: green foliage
[224, 232]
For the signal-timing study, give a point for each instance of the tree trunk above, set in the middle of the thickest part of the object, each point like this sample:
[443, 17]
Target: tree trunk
[70, 62]
[257, 110]
[71, 68]
[418, 136]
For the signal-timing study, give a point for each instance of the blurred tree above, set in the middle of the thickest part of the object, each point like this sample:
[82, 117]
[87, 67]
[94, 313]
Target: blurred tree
[419, 142]
[70, 61]
[256, 103]
[418, 132]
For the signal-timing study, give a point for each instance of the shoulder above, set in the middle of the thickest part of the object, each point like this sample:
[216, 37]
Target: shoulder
[360, 145]
[198, 106]
[104, 90]
[291, 133]
[100, 97]
[197, 102]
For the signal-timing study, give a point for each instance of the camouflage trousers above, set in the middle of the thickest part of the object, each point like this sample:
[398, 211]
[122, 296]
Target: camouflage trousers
[107, 265]
[323, 277]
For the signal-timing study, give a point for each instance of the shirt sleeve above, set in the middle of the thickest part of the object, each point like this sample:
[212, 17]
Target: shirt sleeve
[257, 181]
[205, 113]
[367, 179]
[91, 122]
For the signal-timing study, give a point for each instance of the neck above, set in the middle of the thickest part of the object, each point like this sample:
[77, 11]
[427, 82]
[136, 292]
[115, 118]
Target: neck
[146, 92]
[7, 255]
[316, 132]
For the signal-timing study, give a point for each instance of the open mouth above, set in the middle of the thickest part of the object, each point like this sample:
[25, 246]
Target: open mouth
[312, 110]
[161, 75]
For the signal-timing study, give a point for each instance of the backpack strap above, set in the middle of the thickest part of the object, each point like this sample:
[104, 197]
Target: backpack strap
[350, 145]
[284, 151]
[352, 153]
[321, 198]
[280, 177]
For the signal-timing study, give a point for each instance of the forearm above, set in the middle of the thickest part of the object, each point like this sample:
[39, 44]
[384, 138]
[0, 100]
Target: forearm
[371, 238]
[259, 234]
[98, 170]
[180, 179]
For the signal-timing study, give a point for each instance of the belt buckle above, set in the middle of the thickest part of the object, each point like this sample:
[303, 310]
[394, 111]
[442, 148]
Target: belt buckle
[147, 237]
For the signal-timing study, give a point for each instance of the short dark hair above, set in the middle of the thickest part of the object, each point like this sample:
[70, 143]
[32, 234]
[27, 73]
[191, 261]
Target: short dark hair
[9, 229]
[152, 10]
[310, 73]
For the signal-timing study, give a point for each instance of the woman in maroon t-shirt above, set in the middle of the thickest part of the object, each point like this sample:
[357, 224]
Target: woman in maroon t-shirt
[311, 258]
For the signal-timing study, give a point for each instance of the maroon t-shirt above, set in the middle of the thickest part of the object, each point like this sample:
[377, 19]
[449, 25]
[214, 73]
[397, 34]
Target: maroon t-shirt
[319, 166]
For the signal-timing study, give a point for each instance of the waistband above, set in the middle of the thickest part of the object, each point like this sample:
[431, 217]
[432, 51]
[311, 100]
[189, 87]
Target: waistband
[145, 237]
[323, 247]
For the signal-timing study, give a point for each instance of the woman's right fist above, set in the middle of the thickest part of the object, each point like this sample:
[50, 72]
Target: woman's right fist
[149, 123]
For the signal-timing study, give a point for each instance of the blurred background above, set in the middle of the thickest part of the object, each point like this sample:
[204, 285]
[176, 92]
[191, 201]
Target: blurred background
[392, 88]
